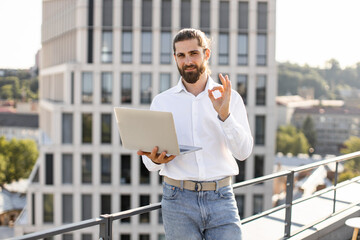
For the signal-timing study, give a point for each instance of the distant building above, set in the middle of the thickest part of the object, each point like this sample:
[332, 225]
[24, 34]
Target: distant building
[19, 126]
[333, 126]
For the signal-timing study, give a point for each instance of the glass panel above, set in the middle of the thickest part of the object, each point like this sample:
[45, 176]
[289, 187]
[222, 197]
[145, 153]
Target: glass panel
[241, 176]
[185, 13]
[86, 166]
[240, 200]
[204, 15]
[261, 49]
[262, 16]
[86, 206]
[260, 130]
[67, 128]
[126, 47]
[145, 217]
[105, 168]
[125, 169]
[224, 13]
[107, 47]
[86, 127]
[261, 90]
[258, 202]
[242, 86]
[146, 47]
[106, 87]
[127, 13]
[105, 128]
[87, 87]
[166, 55]
[144, 174]
[259, 166]
[126, 87]
[243, 49]
[125, 201]
[223, 48]
[107, 13]
[105, 204]
[243, 17]
[146, 16]
[67, 169]
[166, 14]
[145, 88]
[67, 208]
[165, 81]
[49, 169]
[48, 208]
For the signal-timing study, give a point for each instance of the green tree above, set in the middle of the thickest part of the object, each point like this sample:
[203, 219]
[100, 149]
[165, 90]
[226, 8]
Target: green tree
[308, 129]
[6, 92]
[351, 167]
[17, 157]
[291, 140]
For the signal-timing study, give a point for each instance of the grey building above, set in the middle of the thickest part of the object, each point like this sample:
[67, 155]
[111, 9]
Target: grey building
[98, 54]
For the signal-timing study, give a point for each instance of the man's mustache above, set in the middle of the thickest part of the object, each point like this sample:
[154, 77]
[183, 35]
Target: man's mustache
[189, 66]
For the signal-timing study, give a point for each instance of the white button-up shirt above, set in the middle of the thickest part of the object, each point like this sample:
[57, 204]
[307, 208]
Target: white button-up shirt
[197, 124]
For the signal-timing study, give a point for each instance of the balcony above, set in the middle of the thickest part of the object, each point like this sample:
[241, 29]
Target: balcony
[319, 216]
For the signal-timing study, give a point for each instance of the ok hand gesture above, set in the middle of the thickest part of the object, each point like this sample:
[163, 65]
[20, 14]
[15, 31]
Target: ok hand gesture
[222, 103]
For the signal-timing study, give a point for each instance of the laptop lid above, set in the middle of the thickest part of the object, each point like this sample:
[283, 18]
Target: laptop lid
[144, 129]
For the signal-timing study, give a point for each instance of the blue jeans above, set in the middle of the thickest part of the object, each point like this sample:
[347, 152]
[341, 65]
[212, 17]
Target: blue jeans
[190, 215]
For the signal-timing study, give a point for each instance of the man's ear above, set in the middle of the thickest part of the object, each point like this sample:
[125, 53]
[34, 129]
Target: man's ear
[207, 53]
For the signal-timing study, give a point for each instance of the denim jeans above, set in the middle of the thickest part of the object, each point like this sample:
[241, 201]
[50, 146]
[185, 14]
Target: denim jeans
[190, 215]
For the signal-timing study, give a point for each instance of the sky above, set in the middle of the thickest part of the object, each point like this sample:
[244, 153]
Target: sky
[307, 32]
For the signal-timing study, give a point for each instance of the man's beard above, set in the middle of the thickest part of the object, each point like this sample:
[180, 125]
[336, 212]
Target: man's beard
[193, 76]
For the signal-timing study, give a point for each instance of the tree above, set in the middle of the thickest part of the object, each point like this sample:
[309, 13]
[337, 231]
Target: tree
[309, 131]
[291, 140]
[351, 167]
[6, 92]
[17, 157]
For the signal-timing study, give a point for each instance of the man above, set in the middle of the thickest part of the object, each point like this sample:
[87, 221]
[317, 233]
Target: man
[198, 200]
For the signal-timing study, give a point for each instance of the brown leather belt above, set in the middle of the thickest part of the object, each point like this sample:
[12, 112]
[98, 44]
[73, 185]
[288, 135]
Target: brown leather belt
[199, 186]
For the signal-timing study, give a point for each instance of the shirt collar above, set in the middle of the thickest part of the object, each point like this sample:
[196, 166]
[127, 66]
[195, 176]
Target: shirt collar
[210, 84]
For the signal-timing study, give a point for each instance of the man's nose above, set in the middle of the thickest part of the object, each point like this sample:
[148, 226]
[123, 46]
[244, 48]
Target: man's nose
[188, 60]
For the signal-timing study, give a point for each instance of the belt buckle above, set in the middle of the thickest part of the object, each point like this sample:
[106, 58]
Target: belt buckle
[198, 186]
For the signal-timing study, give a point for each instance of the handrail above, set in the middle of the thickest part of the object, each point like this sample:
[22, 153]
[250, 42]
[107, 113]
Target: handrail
[105, 221]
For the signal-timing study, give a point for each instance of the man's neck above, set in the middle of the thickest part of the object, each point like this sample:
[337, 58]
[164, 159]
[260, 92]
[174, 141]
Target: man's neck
[197, 87]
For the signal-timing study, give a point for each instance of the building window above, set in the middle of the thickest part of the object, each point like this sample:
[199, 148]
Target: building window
[145, 217]
[144, 237]
[126, 87]
[146, 14]
[145, 88]
[224, 13]
[86, 168]
[261, 90]
[144, 174]
[262, 16]
[261, 49]
[86, 128]
[165, 47]
[127, 14]
[243, 16]
[241, 176]
[204, 15]
[125, 237]
[72, 81]
[260, 130]
[49, 169]
[90, 31]
[105, 168]
[48, 208]
[67, 208]
[125, 169]
[125, 204]
[105, 204]
[165, 81]
[242, 86]
[105, 128]
[223, 48]
[185, 14]
[166, 15]
[240, 200]
[107, 47]
[33, 210]
[258, 203]
[86, 206]
[107, 13]
[242, 54]
[86, 236]
[259, 166]
[87, 87]
[106, 87]
[67, 236]
[146, 47]
[126, 47]
[67, 169]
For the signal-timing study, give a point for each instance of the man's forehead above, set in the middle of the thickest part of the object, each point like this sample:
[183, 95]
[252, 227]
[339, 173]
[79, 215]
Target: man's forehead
[187, 46]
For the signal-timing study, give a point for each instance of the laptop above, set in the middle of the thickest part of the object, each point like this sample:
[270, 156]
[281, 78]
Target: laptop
[144, 129]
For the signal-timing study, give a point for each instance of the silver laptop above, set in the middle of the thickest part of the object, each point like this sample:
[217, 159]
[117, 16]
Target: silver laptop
[145, 129]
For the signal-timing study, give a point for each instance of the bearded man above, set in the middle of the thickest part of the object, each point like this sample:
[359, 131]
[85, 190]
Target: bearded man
[198, 200]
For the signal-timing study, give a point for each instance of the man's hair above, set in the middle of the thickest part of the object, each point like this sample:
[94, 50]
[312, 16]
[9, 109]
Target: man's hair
[191, 33]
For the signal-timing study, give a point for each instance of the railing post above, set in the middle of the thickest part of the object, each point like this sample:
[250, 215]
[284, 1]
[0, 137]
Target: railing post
[335, 183]
[106, 228]
[289, 200]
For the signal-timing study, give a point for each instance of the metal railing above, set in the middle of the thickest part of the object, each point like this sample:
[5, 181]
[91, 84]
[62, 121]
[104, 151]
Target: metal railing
[105, 221]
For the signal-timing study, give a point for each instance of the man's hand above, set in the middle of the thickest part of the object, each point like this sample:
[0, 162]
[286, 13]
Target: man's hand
[157, 158]
[222, 103]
